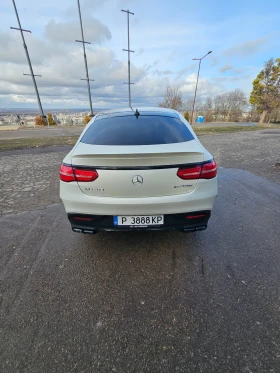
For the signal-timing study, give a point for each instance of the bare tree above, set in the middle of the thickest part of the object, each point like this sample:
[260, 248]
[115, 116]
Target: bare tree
[172, 98]
[208, 109]
[187, 105]
[229, 106]
[221, 106]
[199, 106]
[237, 102]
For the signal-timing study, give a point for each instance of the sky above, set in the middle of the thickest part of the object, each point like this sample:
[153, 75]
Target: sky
[165, 36]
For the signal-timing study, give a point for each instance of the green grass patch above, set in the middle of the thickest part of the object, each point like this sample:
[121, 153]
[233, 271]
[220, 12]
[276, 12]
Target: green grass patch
[13, 144]
[228, 129]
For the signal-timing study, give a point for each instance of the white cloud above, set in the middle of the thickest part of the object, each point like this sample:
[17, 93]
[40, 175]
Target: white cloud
[247, 48]
[60, 62]
[183, 72]
[68, 32]
[225, 68]
[206, 87]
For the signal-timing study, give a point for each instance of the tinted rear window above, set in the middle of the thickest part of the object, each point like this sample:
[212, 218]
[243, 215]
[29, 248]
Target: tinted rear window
[130, 130]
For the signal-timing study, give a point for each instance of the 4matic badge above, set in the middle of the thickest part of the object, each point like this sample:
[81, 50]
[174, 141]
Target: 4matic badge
[95, 189]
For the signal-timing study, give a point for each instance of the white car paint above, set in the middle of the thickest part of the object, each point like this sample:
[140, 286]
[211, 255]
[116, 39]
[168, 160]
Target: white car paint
[162, 191]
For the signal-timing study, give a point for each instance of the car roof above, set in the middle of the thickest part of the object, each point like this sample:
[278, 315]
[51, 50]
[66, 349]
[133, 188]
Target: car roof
[141, 110]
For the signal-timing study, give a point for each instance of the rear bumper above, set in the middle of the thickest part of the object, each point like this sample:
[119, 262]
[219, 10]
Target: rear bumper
[90, 224]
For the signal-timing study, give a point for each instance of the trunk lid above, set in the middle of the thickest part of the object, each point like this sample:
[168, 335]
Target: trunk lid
[137, 171]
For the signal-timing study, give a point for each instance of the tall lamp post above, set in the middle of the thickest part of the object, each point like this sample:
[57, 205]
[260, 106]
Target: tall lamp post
[197, 59]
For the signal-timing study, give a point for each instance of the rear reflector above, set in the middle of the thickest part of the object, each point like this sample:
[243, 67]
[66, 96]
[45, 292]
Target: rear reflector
[205, 171]
[69, 173]
[195, 216]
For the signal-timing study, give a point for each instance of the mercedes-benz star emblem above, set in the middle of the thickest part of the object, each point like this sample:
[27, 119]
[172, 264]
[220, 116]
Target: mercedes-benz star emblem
[137, 180]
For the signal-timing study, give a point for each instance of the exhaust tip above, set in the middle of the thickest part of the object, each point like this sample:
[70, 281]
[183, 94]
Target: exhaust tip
[201, 228]
[85, 231]
[188, 230]
[89, 231]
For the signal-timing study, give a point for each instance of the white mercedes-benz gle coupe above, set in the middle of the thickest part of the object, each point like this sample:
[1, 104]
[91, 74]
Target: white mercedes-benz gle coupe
[138, 169]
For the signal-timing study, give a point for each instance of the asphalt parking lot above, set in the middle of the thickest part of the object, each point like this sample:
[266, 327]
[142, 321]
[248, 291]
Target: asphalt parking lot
[143, 301]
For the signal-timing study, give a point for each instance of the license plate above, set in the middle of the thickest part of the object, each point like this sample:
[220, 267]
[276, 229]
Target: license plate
[139, 221]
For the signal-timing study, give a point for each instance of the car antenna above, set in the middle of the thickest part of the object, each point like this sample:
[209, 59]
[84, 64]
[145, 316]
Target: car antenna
[137, 113]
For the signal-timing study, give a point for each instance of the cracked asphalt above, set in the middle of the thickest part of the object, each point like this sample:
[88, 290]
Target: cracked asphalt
[204, 302]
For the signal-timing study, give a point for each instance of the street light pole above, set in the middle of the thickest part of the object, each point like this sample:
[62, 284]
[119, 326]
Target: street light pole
[197, 59]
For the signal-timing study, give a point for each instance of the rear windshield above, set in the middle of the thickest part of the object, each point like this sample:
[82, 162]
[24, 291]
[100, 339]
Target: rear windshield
[130, 130]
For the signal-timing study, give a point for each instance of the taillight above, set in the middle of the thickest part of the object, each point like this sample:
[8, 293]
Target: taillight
[188, 173]
[69, 173]
[66, 173]
[209, 170]
[205, 171]
[85, 175]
